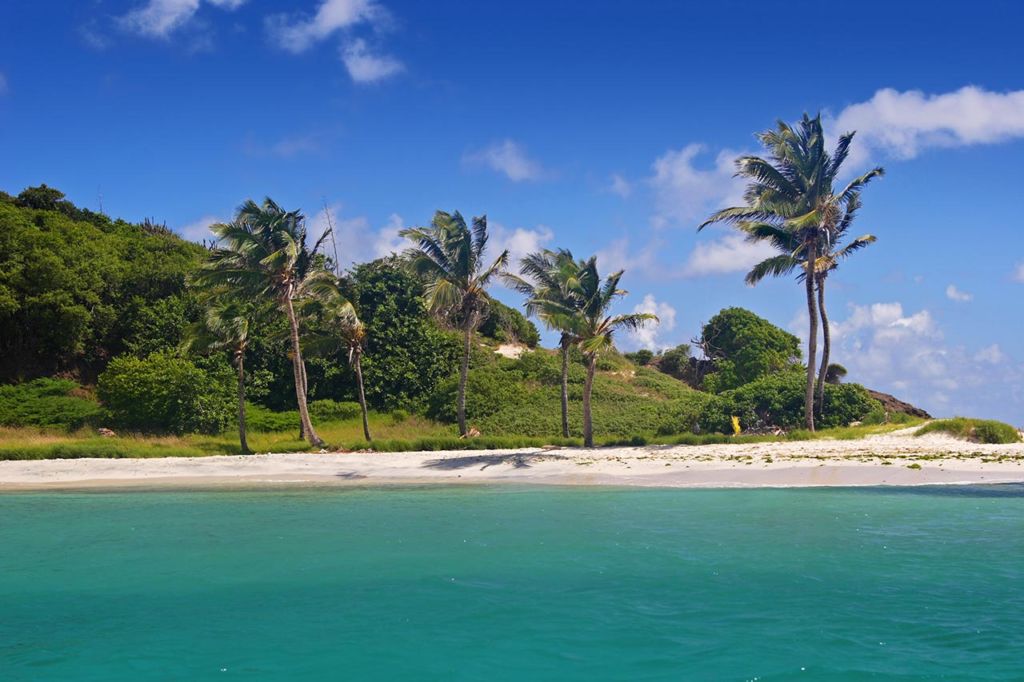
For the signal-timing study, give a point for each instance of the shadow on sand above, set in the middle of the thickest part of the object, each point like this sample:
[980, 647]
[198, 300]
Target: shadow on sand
[518, 460]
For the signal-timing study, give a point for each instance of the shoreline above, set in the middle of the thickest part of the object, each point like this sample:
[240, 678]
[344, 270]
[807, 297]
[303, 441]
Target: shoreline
[895, 459]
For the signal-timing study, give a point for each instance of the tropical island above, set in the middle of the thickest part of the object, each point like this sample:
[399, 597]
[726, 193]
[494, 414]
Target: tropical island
[123, 340]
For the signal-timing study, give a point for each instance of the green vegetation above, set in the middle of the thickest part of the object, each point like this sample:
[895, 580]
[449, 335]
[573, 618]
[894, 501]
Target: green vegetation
[975, 430]
[744, 348]
[50, 403]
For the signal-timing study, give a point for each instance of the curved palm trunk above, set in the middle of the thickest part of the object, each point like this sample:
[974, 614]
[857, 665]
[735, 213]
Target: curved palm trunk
[305, 390]
[241, 403]
[588, 386]
[362, 394]
[464, 372]
[300, 378]
[565, 388]
[826, 347]
[812, 338]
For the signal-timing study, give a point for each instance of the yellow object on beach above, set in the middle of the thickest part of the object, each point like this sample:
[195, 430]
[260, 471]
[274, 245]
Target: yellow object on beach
[736, 425]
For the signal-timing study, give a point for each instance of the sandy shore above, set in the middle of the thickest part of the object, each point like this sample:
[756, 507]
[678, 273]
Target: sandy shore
[892, 459]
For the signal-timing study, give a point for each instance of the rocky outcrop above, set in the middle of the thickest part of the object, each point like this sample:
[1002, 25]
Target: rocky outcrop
[891, 404]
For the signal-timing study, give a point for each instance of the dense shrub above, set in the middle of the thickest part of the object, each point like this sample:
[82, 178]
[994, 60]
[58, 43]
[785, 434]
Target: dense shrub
[976, 430]
[745, 347]
[487, 392]
[777, 400]
[508, 325]
[166, 394]
[260, 419]
[641, 357]
[48, 403]
[329, 410]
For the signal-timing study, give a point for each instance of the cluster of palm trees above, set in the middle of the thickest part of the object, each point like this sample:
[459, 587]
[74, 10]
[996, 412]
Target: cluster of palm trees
[261, 265]
[792, 203]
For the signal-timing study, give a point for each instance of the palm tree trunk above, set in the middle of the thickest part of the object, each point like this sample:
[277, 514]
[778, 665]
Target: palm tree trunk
[588, 386]
[464, 372]
[826, 347]
[362, 395]
[565, 388]
[300, 378]
[812, 338]
[241, 403]
[305, 390]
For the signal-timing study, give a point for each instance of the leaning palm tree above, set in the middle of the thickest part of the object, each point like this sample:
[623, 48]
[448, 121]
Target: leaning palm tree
[793, 190]
[551, 275]
[226, 324]
[262, 255]
[593, 327]
[341, 326]
[790, 259]
[449, 256]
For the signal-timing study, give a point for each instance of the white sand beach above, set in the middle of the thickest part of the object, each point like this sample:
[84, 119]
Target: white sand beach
[898, 458]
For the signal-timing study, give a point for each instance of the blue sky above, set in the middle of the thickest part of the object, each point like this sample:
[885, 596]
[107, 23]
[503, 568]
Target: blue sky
[607, 128]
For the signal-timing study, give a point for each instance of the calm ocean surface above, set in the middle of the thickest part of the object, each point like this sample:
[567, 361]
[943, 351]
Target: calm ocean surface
[514, 584]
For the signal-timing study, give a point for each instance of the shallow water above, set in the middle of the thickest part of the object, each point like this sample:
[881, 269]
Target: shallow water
[514, 584]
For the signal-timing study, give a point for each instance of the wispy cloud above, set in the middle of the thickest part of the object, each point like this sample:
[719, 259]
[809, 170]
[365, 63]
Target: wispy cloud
[364, 66]
[954, 294]
[355, 237]
[1018, 274]
[298, 33]
[508, 158]
[3, 83]
[287, 147]
[199, 229]
[160, 18]
[518, 241]
[620, 186]
[731, 253]
[903, 124]
[685, 193]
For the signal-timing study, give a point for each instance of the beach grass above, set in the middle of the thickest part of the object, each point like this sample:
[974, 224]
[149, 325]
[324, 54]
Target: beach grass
[975, 430]
[390, 435]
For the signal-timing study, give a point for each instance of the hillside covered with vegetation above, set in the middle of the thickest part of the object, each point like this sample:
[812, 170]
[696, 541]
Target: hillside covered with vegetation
[99, 322]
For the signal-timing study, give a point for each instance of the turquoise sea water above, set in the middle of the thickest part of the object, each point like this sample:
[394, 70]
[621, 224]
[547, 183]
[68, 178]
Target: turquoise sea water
[513, 584]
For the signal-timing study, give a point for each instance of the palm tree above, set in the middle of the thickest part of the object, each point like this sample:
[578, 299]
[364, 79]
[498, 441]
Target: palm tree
[227, 324]
[551, 275]
[262, 256]
[449, 256]
[790, 259]
[793, 190]
[593, 328]
[343, 325]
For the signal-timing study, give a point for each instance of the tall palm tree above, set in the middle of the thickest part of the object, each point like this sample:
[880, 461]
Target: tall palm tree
[551, 276]
[227, 324]
[449, 256]
[793, 190]
[790, 259]
[262, 255]
[593, 327]
[343, 327]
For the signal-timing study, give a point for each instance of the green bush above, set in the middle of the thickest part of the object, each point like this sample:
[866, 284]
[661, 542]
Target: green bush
[975, 430]
[508, 325]
[641, 357]
[777, 400]
[744, 348]
[166, 394]
[260, 419]
[329, 410]
[48, 403]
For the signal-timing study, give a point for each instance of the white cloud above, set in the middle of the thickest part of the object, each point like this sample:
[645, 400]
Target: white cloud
[728, 254]
[648, 336]
[365, 67]
[297, 34]
[1018, 274]
[618, 255]
[620, 186]
[287, 147]
[160, 18]
[519, 241]
[199, 229]
[886, 348]
[355, 238]
[508, 158]
[992, 355]
[903, 124]
[685, 194]
[954, 294]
